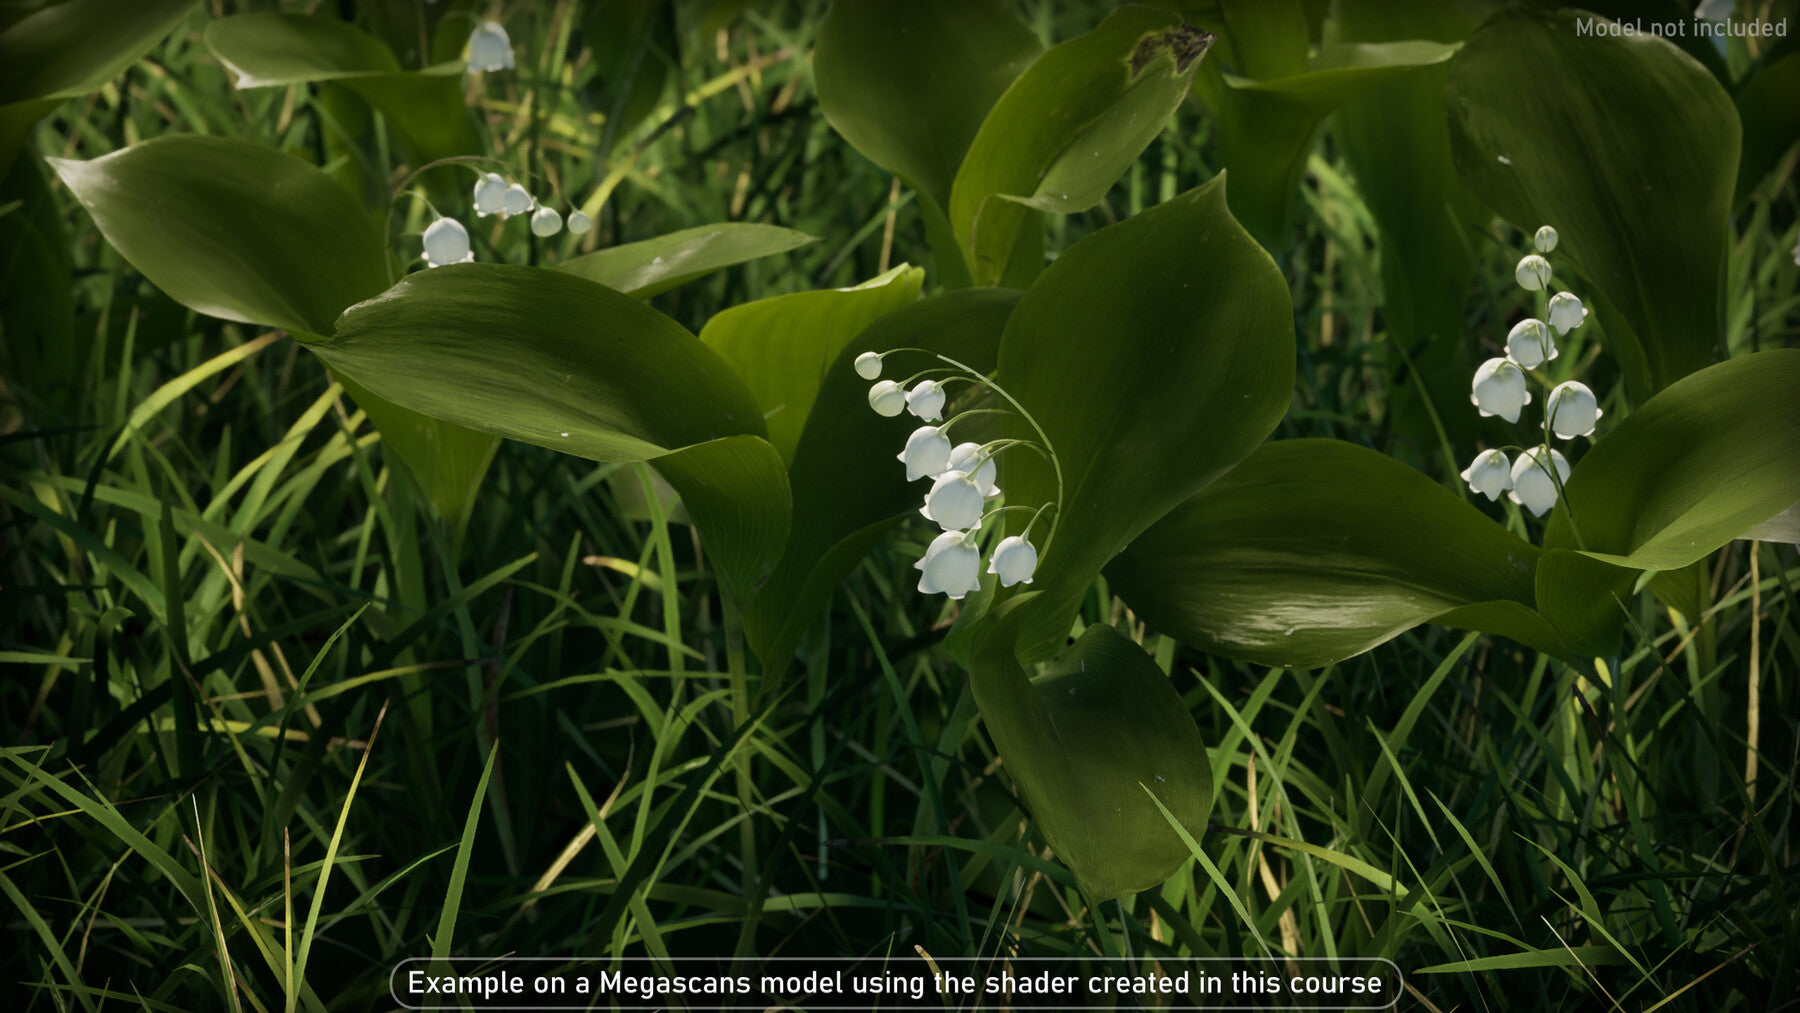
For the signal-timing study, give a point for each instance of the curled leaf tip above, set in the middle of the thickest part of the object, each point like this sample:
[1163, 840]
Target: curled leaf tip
[1185, 43]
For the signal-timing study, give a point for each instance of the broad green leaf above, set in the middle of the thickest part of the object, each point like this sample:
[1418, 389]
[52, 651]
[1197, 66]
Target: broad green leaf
[1268, 37]
[1266, 128]
[646, 268]
[74, 47]
[561, 362]
[1629, 148]
[1398, 148]
[1312, 551]
[1065, 131]
[268, 48]
[234, 229]
[849, 487]
[1156, 354]
[782, 346]
[907, 82]
[1083, 740]
[449, 461]
[1701, 463]
[1771, 120]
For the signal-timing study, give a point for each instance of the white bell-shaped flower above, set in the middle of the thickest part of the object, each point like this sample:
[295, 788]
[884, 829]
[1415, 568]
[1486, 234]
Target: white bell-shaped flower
[447, 242]
[1490, 474]
[1532, 486]
[951, 565]
[1566, 312]
[1015, 560]
[579, 223]
[490, 194]
[868, 365]
[967, 457]
[1530, 343]
[1499, 389]
[927, 453]
[926, 400]
[1533, 273]
[516, 201]
[887, 398]
[1545, 239]
[490, 48]
[954, 502]
[545, 222]
[1573, 410]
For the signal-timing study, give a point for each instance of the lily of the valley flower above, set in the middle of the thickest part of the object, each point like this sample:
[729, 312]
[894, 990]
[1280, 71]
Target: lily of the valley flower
[927, 453]
[887, 398]
[490, 194]
[966, 457]
[926, 400]
[447, 242]
[1532, 486]
[1530, 343]
[951, 565]
[1573, 410]
[868, 365]
[1545, 239]
[1499, 389]
[579, 223]
[1490, 474]
[516, 201]
[1015, 560]
[954, 502]
[1533, 273]
[490, 48]
[1566, 312]
[546, 222]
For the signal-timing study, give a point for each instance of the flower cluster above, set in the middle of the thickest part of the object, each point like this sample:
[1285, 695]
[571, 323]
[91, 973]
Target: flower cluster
[447, 242]
[962, 482]
[1500, 389]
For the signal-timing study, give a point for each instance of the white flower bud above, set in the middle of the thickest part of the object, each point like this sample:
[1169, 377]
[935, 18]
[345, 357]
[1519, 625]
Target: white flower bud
[1490, 474]
[954, 502]
[887, 398]
[1532, 486]
[579, 223]
[490, 194]
[516, 201]
[1499, 389]
[1566, 312]
[447, 242]
[489, 47]
[951, 565]
[1573, 410]
[1015, 560]
[868, 365]
[1532, 273]
[1545, 240]
[546, 222]
[1530, 344]
[967, 457]
[927, 453]
[926, 400]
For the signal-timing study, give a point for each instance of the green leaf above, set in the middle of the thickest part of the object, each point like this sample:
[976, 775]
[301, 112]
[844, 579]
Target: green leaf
[1084, 740]
[234, 229]
[268, 48]
[848, 486]
[1770, 119]
[907, 82]
[1156, 353]
[1312, 551]
[1266, 128]
[646, 268]
[560, 362]
[1629, 148]
[74, 47]
[1065, 131]
[782, 346]
[1701, 463]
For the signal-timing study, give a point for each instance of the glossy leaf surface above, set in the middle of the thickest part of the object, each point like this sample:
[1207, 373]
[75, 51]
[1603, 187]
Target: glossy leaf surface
[651, 266]
[73, 47]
